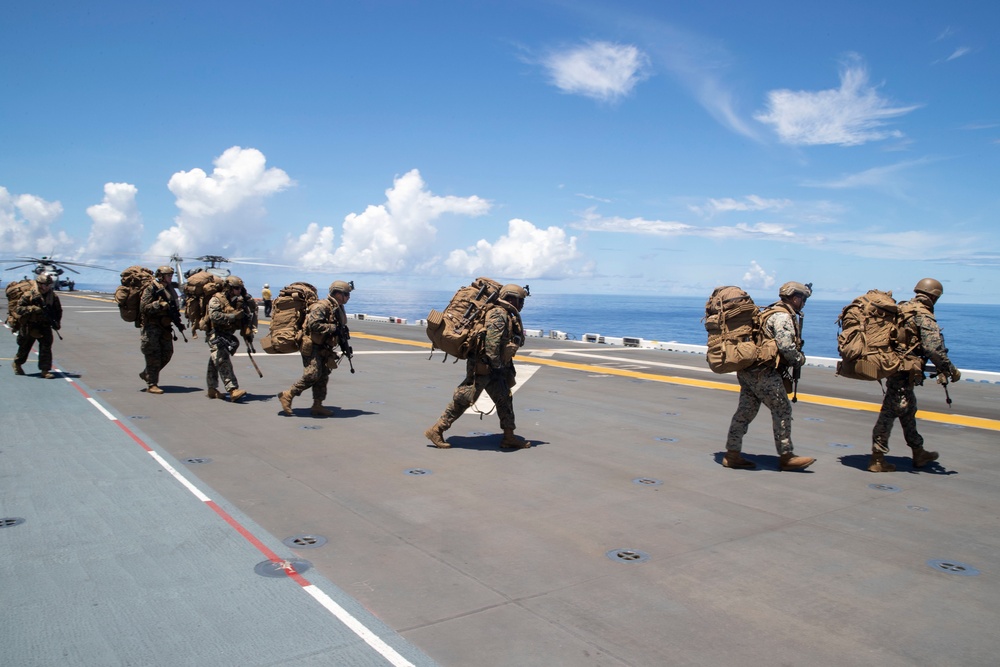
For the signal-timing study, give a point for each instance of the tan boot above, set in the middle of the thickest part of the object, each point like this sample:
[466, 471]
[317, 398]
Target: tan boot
[212, 392]
[18, 370]
[878, 464]
[48, 375]
[734, 459]
[436, 434]
[286, 402]
[922, 457]
[236, 394]
[790, 461]
[317, 410]
[153, 389]
[511, 441]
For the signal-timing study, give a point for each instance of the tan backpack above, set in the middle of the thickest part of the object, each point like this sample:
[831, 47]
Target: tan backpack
[198, 290]
[14, 291]
[874, 340]
[134, 280]
[459, 330]
[288, 314]
[733, 322]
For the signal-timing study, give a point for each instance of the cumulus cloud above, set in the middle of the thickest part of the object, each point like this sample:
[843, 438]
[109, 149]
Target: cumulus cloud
[757, 278]
[526, 251]
[599, 70]
[851, 115]
[396, 236]
[26, 226]
[117, 224]
[217, 208]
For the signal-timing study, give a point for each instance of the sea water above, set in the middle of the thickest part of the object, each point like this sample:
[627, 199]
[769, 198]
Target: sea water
[966, 327]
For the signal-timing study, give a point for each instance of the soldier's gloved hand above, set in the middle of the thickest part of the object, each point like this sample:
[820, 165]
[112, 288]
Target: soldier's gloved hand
[801, 361]
[956, 375]
[57, 326]
[942, 378]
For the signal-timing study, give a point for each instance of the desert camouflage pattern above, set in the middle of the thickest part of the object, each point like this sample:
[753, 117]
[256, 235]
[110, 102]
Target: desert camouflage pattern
[35, 325]
[319, 332]
[156, 339]
[225, 318]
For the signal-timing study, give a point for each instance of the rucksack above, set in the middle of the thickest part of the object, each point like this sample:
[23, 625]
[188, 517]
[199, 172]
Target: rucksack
[459, 330]
[288, 314]
[14, 291]
[134, 280]
[733, 322]
[874, 341]
[198, 290]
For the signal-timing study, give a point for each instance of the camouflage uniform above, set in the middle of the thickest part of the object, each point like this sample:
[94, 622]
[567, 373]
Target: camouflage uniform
[900, 401]
[492, 371]
[766, 385]
[225, 318]
[38, 314]
[156, 338]
[319, 337]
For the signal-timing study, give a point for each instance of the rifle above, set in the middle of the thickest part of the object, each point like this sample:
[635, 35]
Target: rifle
[797, 370]
[47, 312]
[175, 312]
[343, 339]
[942, 379]
[248, 329]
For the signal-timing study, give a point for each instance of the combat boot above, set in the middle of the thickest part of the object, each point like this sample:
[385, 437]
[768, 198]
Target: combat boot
[18, 370]
[878, 464]
[212, 392]
[511, 441]
[48, 375]
[436, 434]
[317, 410]
[153, 389]
[286, 402]
[922, 457]
[236, 394]
[734, 459]
[790, 461]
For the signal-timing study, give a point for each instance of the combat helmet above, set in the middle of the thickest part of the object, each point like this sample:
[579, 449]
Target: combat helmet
[792, 288]
[932, 288]
[234, 281]
[342, 286]
[514, 295]
[44, 279]
[165, 270]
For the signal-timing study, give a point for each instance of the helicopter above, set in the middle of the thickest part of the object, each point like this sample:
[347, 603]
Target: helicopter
[214, 262]
[52, 267]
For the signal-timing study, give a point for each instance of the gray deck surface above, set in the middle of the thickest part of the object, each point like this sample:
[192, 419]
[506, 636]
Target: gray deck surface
[617, 540]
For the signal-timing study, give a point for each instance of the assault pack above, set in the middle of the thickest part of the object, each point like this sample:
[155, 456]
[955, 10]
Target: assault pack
[288, 314]
[14, 291]
[460, 329]
[874, 342]
[134, 280]
[733, 322]
[198, 290]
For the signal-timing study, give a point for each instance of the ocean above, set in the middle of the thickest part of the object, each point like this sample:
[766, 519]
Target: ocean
[678, 319]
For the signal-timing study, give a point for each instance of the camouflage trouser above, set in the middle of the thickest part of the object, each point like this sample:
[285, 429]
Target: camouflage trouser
[157, 345]
[315, 375]
[756, 387]
[220, 364]
[497, 387]
[899, 403]
[26, 337]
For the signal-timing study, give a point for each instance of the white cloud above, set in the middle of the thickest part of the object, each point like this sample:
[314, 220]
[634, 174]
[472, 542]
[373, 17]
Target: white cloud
[599, 70]
[392, 237]
[748, 203]
[117, 224]
[591, 221]
[217, 209]
[851, 115]
[525, 251]
[958, 53]
[26, 226]
[757, 278]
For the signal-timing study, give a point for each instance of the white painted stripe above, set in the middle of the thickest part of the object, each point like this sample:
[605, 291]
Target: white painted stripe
[358, 627]
[100, 407]
[524, 372]
[179, 477]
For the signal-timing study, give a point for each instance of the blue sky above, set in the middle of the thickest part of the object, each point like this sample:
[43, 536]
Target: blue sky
[610, 147]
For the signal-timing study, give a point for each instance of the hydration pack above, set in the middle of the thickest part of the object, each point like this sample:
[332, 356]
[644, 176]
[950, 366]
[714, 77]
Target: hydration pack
[288, 314]
[14, 291]
[134, 280]
[460, 329]
[733, 322]
[198, 290]
[874, 341]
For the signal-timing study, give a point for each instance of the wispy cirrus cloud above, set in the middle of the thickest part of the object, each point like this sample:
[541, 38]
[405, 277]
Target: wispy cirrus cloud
[851, 115]
[599, 70]
[748, 203]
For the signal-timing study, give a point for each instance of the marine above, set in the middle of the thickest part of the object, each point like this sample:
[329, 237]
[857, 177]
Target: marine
[491, 369]
[900, 401]
[156, 338]
[38, 313]
[324, 328]
[766, 384]
[226, 316]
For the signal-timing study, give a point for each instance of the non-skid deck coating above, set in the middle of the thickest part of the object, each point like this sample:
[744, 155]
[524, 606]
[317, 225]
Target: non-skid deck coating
[617, 540]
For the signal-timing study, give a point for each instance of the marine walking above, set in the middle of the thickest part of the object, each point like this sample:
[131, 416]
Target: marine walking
[158, 309]
[229, 311]
[34, 313]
